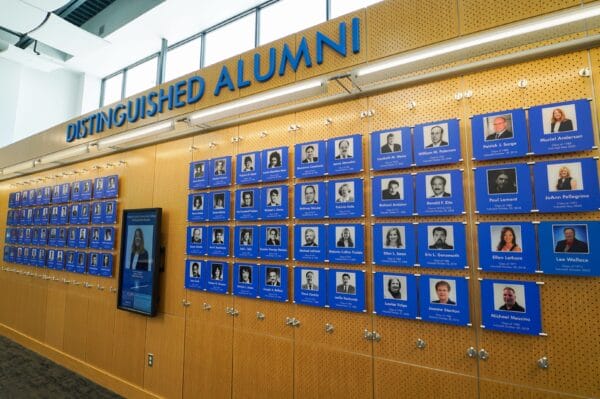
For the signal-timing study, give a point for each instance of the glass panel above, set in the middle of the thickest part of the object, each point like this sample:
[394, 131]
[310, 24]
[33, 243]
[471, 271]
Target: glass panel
[231, 39]
[183, 59]
[112, 89]
[141, 77]
[341, 7]
[289, 16]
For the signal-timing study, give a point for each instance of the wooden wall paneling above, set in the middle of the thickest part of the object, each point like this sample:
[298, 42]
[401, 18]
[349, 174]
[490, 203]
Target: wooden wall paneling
[55, 315]
[165, 340]
[99, 331]
[594, 65]
[76, 319]
[493, 389]
[129, 355]
[273, 324]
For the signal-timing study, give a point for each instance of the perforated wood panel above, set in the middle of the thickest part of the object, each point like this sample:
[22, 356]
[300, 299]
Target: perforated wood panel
[211, 77]
[100, 345]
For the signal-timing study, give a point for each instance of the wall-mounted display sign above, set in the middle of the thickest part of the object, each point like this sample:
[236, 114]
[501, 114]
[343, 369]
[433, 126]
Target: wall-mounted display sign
[566, 247]
[273, 242]
[196, 240]
[503, 189]
[310, 286]
[220, 172]
[198, 175]
[275, 165]
[391, 149]
[442, 245]
[218, 241]
[440, 193]
[437, 143]
[346, 243]
[275, 203]
[245, 280]
[194, 274]
[247, 204]
[392, 196]
[219, 206]
[310, 159]
[217, 276]
[346, 290]
[197, 207]
[395, 295]
[246, 242]
[344, 155]
[394, 244]
[444, 299]
[310, 200]
[274, 283]
[511, 306]
[309, 242]
[499, 135]
[248, 168]
[345, 198]
[507, 247]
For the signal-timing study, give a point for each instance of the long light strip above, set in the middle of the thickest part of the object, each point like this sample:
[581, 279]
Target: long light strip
[135, 134]
[533, 25]
[255, 102]
[64, 154]
[20, 167]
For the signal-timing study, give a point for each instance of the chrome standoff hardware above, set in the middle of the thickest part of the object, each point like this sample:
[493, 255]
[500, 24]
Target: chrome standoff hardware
[483, 354]
[543, 363]
[421, 344]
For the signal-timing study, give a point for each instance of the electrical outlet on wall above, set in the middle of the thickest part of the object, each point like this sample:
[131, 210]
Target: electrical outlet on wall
[150, 359]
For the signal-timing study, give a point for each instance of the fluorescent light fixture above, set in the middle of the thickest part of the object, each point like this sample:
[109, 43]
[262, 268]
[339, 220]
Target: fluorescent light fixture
[20, 167]
[64, 154]
[551, 21]
[135, 134]
[258, 101]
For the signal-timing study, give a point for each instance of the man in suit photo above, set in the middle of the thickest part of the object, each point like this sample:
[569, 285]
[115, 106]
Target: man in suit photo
[309, 154]
[438, 187]
[345, 287]
[571, 243]
[310, 281]
[501, 130]
[437, 137]
[392, 191]
[390, 146]
[273, 279]
[343, 149]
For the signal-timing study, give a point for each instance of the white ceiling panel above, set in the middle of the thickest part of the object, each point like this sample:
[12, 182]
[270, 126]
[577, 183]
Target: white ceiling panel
[30, 59]
[68, 38]
[46, 5]
[20, 17]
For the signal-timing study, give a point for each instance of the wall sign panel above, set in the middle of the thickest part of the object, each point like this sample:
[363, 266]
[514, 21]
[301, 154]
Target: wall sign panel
[392, 196]
[345, 198]
[310, 286]
[309, 242]
[346, 243]
[503, 189]
[346, 290]
[310, 159]
[248, 168]
[499, 135]
[437, 143]
[442, 245]
[391, 149]
[274, 283]
[507, 247]
[394, 244]
[440, 193]
[275, 165]
[395, 295]
[444, 299]
[566, 247]
[275, 203]
[344, 155]
[310, 200]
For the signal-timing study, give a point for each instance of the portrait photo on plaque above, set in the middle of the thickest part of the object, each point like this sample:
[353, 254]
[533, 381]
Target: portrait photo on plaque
[82, 240]
[569, 185]
[568, 247]
[275, 204]
[310, 159]
[310, 242]
[346, 290]
[273, 242]
[219, 206]
[99, 186]
[274, 283]
[391, 149]
[507, 247]
[94, 263]
[106, 265]
[395, 295]
[393, 244]
[444, 299]
[197, 207]
[70, 261]
[247, 203]
[109, 212]
[503, 189]
[245, 280]
[344, 155]
[346, 243]
[196, 240]
[245, 242]
[310, 286]
[511, 306]
[392, 196]
[85, 190]
[218, 244]
[442, 245]
[50, 257]
[107, 236]
[345, 198]
[112, 187]
[561, 127]
[194, 276]
[199, 173]
[220, 172]
[499, 135]
[437, 143]
[75, 191]
[216, 276]
[310, 200]
[439, 193]
[275, 165]
[80, 262]
[248, 166]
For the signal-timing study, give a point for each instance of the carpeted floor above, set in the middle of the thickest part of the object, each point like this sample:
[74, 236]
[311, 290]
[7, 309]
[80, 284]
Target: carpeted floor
[25, 374]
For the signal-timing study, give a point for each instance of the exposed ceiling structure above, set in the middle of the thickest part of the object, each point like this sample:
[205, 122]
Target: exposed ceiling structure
[99, 37]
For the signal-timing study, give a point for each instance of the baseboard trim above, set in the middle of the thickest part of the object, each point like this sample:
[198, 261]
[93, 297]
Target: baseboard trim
[99, 376]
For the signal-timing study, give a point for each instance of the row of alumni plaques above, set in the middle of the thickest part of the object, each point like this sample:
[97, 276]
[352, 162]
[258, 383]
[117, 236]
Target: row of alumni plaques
[79, 213]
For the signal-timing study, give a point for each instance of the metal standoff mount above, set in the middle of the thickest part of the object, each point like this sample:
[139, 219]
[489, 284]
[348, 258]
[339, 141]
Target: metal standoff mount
[543, 363]
[421, 344]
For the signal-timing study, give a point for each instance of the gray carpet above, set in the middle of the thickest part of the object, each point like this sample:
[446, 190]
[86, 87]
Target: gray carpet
[25, 374]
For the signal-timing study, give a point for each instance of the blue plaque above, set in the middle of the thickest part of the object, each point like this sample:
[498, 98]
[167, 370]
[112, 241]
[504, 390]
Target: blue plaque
[55, 196]
[219, 241]
[194, 274]
[246, 242]
[392, 196]
[247, 204]
[96, 210]
[310, 159]
[52, 236]
[346, 290]
[274, 242]
[567, 185]
[219, 206]
[394, 244]
[82, 241]
[309, 200]
[75, 191]
[112, 187]
[507, 247]
[197, 207]
[309, 242]
[245, 280]
[196, 240]
[60, 260]
[217, 276]
[109, 212]
[442, 245]
[310, 286]
[274, 283]
[61, 239]
[561, 127]
[275, 202]
[440, 193]
[344, 155]
[220, 172]
[391, 149]
[198, 175]
[345, 198]
[80, 262]
[565, 248]
[98, 188]
[63, 215]
[499, 135]
[95, 239]
[248, 168]
[50, 262]
[94, 263]
[85, 190]
[106, 267]
[70, 261]
[511, 306]
[346, 243]
[275, 165]
[503, 189]
[437, 143]
[108, 238]
[74, 214]
[84, 215]
[444, 299]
